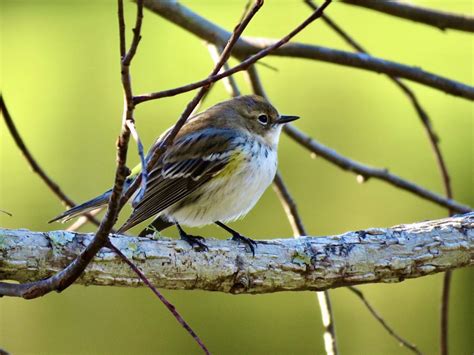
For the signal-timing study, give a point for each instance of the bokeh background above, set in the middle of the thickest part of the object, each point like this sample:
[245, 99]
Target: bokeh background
[60, 78]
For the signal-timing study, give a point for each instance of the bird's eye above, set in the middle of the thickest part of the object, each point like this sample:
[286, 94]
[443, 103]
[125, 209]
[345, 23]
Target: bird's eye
[263, 119]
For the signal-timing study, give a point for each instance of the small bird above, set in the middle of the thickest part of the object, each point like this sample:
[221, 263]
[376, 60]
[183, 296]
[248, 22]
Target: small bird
[215, 171]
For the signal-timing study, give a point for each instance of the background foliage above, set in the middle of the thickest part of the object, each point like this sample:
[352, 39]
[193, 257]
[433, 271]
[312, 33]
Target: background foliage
[60, 77]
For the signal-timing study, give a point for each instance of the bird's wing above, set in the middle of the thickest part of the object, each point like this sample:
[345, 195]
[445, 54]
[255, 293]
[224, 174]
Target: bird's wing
[188, 164]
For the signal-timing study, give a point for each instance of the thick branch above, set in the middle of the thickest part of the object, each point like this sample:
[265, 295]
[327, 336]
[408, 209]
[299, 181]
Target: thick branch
[201, 27]
[441, 19]
[370, 256]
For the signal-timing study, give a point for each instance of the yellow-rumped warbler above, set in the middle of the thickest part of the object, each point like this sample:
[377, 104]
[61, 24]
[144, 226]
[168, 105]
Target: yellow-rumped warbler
[215, 171]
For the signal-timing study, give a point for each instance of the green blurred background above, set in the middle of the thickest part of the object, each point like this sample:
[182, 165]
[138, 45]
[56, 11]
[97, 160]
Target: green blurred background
[60, 78]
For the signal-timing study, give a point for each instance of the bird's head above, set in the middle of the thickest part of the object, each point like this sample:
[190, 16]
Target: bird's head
[254, 114]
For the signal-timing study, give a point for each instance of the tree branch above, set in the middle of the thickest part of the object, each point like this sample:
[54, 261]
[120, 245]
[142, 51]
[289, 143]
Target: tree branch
[440, 19]
[382, 321]
[34, 165]
[294, 218]
[366, 171]
[374, 255]
[434, 142]
[201, 27]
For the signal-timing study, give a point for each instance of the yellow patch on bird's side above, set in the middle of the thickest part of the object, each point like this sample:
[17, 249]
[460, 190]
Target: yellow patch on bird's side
[235, 163]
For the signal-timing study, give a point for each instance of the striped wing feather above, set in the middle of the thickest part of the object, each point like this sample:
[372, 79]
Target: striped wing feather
[187, 165]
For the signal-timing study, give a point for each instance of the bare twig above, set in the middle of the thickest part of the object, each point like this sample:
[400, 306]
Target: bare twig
[69, 274]
[82, 220]
[379, 318]
[289, 205]
[189, 109]
[34, 164]
[222, 60]
[366, 172]
[253, 79]
[428, 128]
[125, 60]
[158, 294]
[229, 82]
[434, 141]
[129, 123]
[327, 315]
[243, 65]
[424, 118]
[444, 312]
[7, 213]
[440, 19]
[141, 154]
[210, 32]
[160, 149]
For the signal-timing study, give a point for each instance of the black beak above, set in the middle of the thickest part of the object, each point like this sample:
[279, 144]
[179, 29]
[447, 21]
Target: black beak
[285, 119]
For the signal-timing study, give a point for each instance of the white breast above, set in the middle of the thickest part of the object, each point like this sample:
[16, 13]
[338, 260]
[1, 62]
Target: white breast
[231, 197]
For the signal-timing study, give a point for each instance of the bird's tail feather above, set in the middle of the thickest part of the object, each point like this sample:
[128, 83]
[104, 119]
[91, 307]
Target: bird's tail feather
[96, 202]
[83, 208]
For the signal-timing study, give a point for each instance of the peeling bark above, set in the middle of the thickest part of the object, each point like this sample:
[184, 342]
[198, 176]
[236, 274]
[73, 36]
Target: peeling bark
[370, 256]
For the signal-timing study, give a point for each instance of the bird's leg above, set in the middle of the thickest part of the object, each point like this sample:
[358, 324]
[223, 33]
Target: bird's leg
[239, 237]
[193, 240]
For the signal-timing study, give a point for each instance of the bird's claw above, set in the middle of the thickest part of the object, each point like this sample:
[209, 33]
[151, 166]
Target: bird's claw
[252, 244]
[195, 241]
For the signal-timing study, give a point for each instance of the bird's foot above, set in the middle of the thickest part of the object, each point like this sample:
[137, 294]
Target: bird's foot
[195, 241]
[252, 244]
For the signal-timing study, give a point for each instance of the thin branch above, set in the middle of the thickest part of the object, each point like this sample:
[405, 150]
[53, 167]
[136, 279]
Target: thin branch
[373, 255]
[324, 301]
[327, 315]
[379, 318]
[157, 151]
[158, 294]
[229, 82]
[129, 124]
[243, 64]
[73, 270]
[220, 63]
[365, 172]
[141, 154]
[434, 142]
[121, 25]
[6, 212]
[440, 19]
[127, 59]
[444, 312]
[246, 46]
[425, 120]
[82, 220]
[34, 164]
[289, 205]
[251, 76]
[222, 60]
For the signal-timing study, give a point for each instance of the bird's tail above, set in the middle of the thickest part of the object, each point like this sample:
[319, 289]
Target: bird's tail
[96, 202]
[81, 209]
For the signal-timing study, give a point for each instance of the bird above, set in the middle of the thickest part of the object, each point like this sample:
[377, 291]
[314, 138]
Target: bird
[216, 169]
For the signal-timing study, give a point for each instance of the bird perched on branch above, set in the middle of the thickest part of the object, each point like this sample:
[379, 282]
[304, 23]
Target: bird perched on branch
[215, 171]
